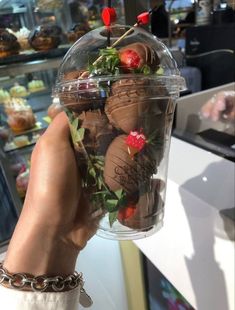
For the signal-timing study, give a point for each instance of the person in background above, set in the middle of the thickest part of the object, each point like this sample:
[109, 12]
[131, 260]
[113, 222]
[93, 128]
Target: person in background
[54, 226]
[220, 107]
[159, 19]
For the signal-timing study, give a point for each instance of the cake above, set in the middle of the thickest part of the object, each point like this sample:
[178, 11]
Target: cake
[35, 86]
[15, 104]
[22, 181]
[16, 167]
[21, 120]
[22, 37]
[48, 5]
[18, 91]
[8, 44]
[4, 133]
[45, 37]
[77, 31]
[21, 140]
[4, 95]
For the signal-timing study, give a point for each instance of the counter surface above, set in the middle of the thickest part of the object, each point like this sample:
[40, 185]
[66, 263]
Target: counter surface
[195, 248]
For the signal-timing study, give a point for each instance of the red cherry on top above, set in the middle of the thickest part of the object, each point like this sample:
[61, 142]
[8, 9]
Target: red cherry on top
[143, 18]
[109, 16]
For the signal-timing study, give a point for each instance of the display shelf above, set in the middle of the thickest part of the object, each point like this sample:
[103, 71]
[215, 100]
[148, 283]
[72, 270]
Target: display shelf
[32, 55]
[29, 67]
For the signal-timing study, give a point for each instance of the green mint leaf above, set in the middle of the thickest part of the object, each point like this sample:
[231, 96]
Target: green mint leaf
[92, 172]
[81, 132]
[111, 205]
[112, 217]
[107, 64]
[99, 193]
[160, 71]
[146, 70]
[73, 129]
[99, 183]
[77, 134]
[119, 193]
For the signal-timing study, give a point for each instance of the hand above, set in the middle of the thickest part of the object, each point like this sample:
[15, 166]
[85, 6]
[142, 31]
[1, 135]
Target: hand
[220, 106]
[54, 224]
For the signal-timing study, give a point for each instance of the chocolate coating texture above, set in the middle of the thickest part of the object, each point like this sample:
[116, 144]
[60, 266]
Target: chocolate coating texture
[123, 172]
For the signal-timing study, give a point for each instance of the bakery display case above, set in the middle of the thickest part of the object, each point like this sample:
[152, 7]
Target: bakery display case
[30, 52]
[25, 98]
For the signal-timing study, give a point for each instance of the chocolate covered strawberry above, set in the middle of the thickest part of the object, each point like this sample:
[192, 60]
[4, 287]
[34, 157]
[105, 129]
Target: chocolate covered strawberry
[137, 56]
[135, 142]
[127, 212]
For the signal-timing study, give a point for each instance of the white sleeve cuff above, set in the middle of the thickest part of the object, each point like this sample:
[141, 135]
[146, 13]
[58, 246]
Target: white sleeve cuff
[18, 300]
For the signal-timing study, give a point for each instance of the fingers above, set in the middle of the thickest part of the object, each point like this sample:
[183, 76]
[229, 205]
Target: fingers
[58, 130]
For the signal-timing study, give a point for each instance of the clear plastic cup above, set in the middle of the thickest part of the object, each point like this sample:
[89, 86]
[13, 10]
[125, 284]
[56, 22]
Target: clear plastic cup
[121, 119]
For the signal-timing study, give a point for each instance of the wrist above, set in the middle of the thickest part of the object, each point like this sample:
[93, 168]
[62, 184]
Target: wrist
[37, 249]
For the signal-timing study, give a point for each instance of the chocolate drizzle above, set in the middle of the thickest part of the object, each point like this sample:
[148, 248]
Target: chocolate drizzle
[123, 172]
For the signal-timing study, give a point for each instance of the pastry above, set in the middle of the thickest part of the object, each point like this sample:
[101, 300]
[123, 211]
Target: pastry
[15, 104]
[35, 86]
[22, 181]
[45, 5]
[45, 37]
[21, 141]
[22, 37]
[21, 120]
[55, 108]
[4, 95]
[76, 32]
[4, 133]
[8, 44]
[18, 91]
[16, 168]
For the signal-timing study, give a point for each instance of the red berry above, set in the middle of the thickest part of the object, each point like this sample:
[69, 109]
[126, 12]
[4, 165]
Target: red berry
[109, 16]
[136, 140]
[143, 18]
[129, 59]
[125, 213]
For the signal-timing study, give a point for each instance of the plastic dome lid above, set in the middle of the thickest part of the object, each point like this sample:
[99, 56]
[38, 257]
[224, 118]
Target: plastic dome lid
[140, 54]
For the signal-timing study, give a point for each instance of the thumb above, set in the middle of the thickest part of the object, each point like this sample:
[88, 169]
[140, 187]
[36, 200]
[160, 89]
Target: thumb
[59, 130]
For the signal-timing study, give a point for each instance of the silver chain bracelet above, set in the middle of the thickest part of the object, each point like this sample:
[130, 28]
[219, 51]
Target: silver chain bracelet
[44, 283]
[40, 283]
